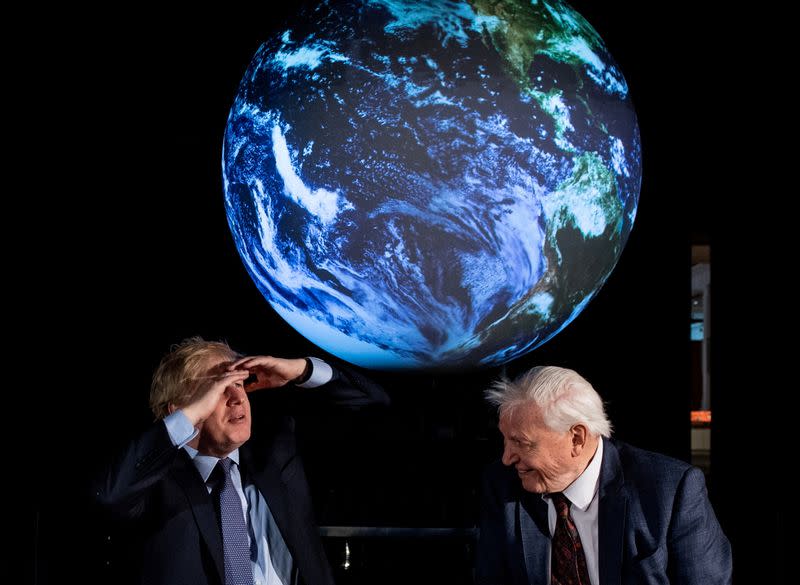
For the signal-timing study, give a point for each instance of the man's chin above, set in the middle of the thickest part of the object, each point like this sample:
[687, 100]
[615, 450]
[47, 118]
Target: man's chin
[239, 437]
[531, 483]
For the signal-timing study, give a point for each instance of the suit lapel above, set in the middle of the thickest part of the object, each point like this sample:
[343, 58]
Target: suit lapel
[535, 534]
[611, 515]
[276, 493]
[202, 507]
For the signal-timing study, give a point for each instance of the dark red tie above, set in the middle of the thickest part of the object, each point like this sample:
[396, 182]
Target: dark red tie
[567, 562]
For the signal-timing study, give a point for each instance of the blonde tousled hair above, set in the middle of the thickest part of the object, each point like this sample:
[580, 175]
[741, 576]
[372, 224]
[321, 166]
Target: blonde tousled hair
[173, 379]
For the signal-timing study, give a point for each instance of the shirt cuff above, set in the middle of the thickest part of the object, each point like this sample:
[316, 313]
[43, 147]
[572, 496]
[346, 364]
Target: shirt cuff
[321, 373]
[180, 428]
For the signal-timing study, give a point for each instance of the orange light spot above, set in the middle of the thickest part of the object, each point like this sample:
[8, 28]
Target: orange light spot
[701, 417]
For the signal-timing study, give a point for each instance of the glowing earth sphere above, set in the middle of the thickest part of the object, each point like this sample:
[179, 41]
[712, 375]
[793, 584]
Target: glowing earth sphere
[431, 184]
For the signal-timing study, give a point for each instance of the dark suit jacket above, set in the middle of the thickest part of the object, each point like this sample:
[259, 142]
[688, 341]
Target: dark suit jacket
[655, 525]
[168, 514]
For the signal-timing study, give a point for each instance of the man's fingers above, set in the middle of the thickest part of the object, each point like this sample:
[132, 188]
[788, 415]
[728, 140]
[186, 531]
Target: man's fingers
[230, 374]
[264, 361]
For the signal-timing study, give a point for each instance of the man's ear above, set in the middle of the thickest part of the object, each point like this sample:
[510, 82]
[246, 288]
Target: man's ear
[579, 434]
[171, 407]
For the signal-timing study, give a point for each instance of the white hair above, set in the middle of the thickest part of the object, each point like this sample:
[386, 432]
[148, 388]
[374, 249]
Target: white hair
[564, 397]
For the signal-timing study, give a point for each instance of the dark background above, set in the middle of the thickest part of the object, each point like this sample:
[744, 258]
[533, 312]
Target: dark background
[118, 120]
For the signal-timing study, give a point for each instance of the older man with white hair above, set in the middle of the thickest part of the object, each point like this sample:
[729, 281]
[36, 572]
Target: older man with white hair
[569, 505]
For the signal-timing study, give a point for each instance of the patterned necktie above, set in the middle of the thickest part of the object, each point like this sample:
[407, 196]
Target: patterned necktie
[567, 563]
[234, 530]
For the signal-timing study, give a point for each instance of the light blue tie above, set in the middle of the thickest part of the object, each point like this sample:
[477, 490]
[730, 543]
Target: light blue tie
[234, 531]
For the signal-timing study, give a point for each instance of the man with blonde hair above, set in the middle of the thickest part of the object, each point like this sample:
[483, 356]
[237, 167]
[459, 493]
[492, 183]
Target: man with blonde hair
[569, 505]
[206, 504]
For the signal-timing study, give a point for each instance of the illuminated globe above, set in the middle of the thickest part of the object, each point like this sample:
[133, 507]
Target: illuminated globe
[420, 185]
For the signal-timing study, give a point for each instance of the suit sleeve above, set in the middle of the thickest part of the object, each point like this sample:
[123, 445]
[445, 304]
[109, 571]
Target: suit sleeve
[348, 390]
[699, 552]
[490, 563]
[122, 486]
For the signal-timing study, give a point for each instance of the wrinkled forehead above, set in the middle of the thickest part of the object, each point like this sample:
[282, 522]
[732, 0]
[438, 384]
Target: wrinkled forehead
[520, 417]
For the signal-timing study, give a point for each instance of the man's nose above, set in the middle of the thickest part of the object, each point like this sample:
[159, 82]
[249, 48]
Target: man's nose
[509, 456]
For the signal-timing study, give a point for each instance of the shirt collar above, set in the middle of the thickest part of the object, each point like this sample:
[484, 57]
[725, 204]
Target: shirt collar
[205, 464]
[581, 492]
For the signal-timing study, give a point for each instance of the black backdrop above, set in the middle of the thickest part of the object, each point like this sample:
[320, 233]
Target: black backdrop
[120, 118]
